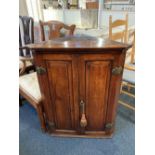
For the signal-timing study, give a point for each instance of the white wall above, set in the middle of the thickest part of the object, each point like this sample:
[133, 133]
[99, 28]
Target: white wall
[74, 16]
[23, 8]
[53, 14]
[34, 9]
[67, 16]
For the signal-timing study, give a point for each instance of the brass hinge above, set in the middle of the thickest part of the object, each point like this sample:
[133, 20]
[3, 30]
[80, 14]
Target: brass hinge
[108, 126]
[40, 70]
[117, 70]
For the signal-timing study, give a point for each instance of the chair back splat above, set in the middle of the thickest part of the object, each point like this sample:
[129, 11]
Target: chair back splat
[26, 34]
[54, 29]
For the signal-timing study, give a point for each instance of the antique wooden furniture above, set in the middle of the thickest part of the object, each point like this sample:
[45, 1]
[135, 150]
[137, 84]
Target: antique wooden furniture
[92, 5]
[29, 89]
[26, 36]
[129, 72]
[80, 79]
[55, 28]
[121, 35]
[28, 83]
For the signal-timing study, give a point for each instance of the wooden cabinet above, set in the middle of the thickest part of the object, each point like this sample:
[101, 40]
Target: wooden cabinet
[80, 80]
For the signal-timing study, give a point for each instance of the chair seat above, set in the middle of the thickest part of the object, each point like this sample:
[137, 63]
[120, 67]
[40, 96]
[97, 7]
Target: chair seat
[28, 64]
[21, 65]
[29, 84]
[129, 76]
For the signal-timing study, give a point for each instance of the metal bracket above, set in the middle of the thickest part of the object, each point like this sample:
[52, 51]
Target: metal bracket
[108, 126]
[40, 70]
[117, 70]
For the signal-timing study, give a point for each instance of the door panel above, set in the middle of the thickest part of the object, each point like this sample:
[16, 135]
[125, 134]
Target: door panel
[97, 84]
[61, 88]
[94, 89]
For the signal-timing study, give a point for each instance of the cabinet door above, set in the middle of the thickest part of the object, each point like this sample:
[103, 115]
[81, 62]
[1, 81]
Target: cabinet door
[61, 84]
[95, 72]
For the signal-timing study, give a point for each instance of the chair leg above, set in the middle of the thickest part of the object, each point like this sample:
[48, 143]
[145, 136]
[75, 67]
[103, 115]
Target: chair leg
[41, 117]
[20, 101]
[129, 87]
[126, 105]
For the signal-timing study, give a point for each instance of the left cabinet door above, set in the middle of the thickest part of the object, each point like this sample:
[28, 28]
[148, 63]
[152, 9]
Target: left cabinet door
[59, 88]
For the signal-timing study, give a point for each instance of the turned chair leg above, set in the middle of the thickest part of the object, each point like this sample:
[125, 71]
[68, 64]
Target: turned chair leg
[41, 117]
[20, 101]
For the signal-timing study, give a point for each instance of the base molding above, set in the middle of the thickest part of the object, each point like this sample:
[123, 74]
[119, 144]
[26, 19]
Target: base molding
[87, 134]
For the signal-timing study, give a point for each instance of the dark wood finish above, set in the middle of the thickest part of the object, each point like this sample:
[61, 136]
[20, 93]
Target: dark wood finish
[60, 82]
[55, 29]
[78, 44]
[95, 76]
[79, 70]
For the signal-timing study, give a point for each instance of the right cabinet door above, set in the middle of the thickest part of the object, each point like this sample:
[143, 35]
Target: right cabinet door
[97, 85]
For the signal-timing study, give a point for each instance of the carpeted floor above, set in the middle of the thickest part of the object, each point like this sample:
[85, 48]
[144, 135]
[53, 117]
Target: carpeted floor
[33, 142]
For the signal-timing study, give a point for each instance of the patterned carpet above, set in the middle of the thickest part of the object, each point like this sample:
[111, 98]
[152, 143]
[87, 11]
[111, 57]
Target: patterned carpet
[33, 142]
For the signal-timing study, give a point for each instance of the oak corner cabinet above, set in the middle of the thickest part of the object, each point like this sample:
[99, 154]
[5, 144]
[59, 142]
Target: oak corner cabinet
[80, 80]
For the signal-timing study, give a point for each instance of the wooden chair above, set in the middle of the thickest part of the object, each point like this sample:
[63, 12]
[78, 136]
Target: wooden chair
[129, 72]
[26, 36]
[129, 81]
[28, 82]
[55, 29]
[130, 56]
[119, 35]
[29, 89]
[25, 65]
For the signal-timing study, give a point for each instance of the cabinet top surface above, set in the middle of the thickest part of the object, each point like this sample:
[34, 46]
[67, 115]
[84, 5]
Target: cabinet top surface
[78, 42]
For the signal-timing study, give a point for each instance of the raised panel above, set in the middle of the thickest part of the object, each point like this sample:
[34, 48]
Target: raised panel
[97, 76]
[61, 89]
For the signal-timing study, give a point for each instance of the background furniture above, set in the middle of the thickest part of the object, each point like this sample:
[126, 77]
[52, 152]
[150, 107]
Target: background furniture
[130, 56]
[129, 73]
[80, 80]
[26, 36]
[29, 89]
[54, 29]
[28, 82]
[122, 35]
[119, 5]
[25, 64]
[129, 82]
[92, 5]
